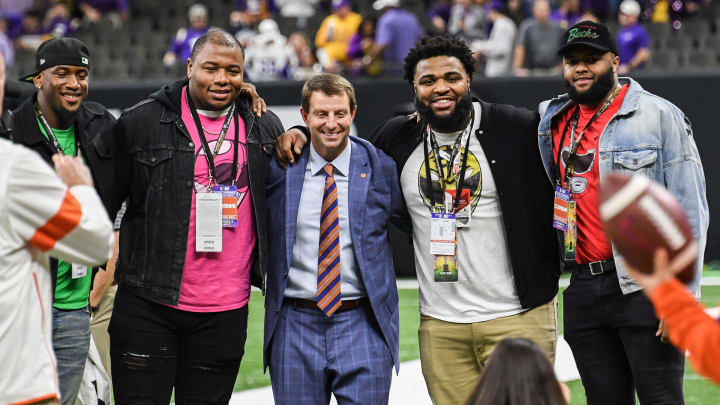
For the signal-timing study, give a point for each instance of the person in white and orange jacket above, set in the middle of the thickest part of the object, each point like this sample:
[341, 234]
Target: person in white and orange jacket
[43, 213]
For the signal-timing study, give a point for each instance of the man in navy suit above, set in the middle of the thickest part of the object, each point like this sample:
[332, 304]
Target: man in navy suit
[331, 309]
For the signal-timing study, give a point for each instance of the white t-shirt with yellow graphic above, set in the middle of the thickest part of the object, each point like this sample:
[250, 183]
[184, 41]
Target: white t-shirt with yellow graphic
[485, 289]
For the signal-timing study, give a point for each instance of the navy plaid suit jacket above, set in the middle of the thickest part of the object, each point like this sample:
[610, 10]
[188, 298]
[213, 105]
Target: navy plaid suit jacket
[375, 199]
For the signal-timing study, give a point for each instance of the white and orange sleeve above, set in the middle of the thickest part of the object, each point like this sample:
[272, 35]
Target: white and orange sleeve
[69, 224]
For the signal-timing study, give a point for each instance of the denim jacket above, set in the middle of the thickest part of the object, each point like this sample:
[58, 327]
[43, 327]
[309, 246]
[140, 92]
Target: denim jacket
[650, 136]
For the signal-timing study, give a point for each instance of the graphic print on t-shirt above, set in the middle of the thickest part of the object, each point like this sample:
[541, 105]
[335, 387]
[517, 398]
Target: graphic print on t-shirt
[223, 167]
[583, 164]
[472, 180]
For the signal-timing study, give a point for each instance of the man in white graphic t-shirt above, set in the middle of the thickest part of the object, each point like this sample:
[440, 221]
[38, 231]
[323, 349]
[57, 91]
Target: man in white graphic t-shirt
[486, 259]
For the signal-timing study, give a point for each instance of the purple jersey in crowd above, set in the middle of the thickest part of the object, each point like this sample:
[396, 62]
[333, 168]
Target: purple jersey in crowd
[398, 30]
[630, 40]
[184, 40]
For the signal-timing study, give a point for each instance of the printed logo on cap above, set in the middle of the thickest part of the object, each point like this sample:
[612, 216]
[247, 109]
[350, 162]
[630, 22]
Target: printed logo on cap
[42, 62]
[85, 60]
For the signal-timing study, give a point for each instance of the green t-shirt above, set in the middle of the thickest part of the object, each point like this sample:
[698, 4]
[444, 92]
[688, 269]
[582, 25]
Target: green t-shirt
[69, 293]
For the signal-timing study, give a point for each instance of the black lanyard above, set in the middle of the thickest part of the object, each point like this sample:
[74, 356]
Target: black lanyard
[575, 143]
[451, 161]
[51, 140]
[209, 155]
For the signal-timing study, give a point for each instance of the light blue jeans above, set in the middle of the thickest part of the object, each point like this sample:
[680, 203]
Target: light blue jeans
[71, 342]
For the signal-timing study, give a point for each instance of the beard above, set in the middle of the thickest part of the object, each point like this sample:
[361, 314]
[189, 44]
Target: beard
[597, 91]
[63, 114]
[456, 121]
[66, 115]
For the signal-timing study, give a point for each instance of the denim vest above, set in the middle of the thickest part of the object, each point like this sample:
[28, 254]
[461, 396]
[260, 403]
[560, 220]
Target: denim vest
[650, 136]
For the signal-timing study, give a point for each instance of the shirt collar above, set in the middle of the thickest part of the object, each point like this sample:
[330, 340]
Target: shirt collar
[214, 114]
[341, 163]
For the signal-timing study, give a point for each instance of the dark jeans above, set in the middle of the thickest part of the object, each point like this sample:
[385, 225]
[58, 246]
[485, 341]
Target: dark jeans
[154, 347]
[612, 337]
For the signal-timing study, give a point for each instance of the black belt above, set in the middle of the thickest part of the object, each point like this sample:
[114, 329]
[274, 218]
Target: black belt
[344, 305]
[595, 268]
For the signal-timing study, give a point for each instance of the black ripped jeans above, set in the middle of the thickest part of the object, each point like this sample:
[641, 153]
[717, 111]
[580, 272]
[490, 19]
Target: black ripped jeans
[154, 347]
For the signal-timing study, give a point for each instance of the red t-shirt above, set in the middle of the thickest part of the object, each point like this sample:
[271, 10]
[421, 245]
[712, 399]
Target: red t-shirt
[592, 244]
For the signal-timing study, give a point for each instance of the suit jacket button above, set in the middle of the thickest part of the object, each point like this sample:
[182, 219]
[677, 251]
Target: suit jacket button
[188, 184]
[192, 145]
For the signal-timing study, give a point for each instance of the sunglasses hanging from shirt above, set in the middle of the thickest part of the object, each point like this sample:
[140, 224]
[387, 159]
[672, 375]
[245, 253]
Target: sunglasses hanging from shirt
[564, 206]
[218, 207]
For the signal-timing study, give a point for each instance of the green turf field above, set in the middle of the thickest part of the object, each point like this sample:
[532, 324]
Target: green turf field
[697, 390]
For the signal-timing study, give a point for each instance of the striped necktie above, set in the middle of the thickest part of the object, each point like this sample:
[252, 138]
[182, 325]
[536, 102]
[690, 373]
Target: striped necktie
[328, 276]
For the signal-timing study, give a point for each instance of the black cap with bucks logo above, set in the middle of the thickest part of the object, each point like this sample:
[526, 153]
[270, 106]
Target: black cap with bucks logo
[590, 34]
[59, 51]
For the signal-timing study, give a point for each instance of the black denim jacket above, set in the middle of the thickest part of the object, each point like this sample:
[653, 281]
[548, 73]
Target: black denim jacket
[155, 166]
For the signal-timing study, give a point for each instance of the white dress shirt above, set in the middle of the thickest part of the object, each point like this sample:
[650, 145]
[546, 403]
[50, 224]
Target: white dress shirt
[302, 278]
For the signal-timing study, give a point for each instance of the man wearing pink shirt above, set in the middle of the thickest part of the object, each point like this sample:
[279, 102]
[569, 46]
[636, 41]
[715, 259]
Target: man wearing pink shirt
[192, 161]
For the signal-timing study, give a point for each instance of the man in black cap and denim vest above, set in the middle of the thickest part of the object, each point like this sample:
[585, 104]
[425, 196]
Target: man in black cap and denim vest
[603, 124]
[57, 120]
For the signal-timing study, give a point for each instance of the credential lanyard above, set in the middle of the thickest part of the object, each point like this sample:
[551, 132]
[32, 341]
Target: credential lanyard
[51, 139]
[209, 155]
[464, 138]
[575, 142]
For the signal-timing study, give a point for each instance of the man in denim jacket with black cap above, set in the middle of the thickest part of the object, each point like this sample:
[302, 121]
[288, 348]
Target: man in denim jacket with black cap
[604, 124]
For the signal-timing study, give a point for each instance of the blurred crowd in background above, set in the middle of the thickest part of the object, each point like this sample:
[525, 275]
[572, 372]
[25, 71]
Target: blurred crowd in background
[294, 39]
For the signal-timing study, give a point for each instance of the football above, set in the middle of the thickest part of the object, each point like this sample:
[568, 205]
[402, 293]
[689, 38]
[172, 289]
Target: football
[641, 216]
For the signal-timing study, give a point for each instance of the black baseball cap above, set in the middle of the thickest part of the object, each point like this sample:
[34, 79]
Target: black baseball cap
[59, 51]
[591, 34]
